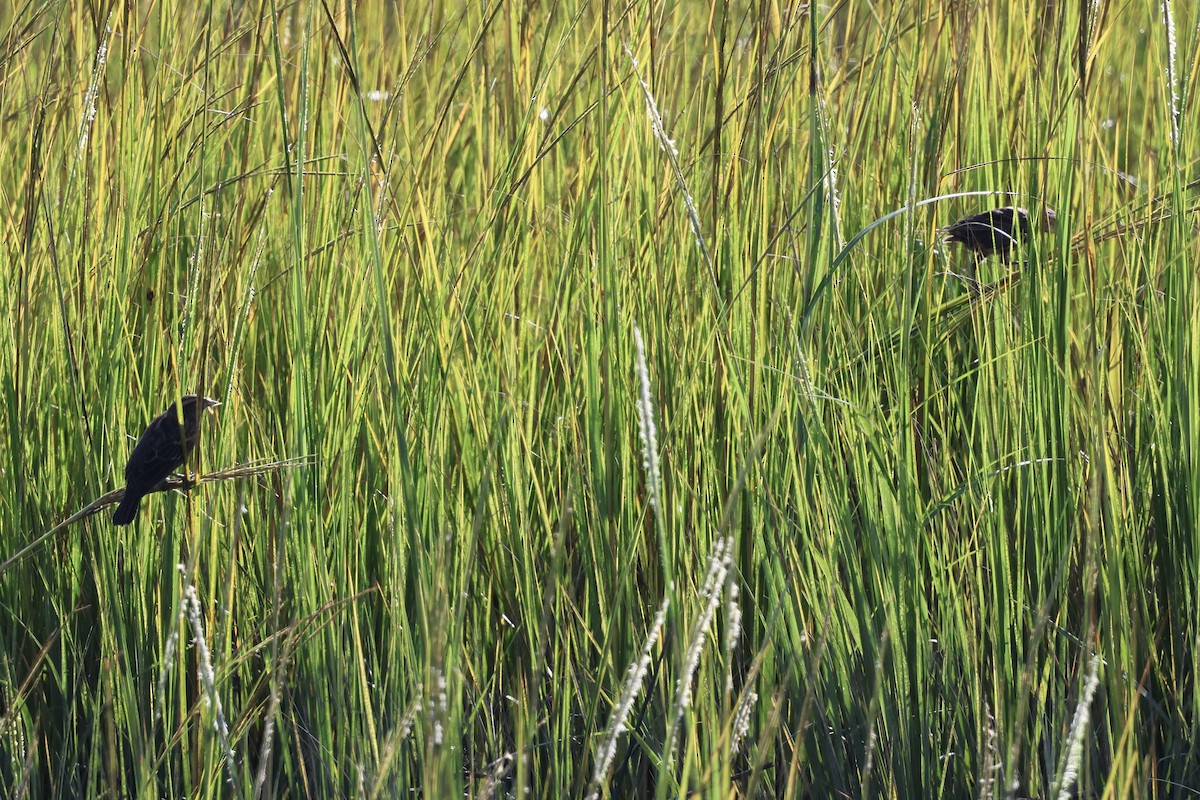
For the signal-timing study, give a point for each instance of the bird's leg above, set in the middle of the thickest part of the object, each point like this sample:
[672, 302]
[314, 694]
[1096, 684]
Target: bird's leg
[186, 480]
[972, 275]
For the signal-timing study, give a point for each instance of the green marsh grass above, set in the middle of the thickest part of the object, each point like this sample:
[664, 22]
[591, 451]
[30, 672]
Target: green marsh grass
[448, 266]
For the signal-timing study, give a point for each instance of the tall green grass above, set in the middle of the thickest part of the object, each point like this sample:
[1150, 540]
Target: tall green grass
[832, 523]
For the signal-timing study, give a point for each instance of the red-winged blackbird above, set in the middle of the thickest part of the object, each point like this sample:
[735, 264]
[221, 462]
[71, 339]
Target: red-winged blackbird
[992, 231]
[161, 450]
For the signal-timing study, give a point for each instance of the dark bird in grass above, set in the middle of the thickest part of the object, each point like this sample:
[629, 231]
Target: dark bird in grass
[996, 231]
[162, 449]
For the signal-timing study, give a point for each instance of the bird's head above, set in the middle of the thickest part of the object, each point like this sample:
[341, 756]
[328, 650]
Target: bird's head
[1049, 219]
[194, 405]
[190, 401]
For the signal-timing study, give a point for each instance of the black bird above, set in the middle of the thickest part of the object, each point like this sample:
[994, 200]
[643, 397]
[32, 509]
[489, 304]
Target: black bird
[993, 231]
[162, 449]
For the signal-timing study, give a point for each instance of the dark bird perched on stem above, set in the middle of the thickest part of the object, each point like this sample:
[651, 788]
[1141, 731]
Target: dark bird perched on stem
[996, 231]
[162, 449]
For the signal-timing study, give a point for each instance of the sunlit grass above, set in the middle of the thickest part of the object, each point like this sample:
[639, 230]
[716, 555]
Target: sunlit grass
[589, 427]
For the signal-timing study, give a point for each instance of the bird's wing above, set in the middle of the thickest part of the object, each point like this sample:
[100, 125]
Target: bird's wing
[974, 229]
[158, 453]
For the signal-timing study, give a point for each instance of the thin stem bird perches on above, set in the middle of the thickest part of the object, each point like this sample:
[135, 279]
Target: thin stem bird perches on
[172, 483]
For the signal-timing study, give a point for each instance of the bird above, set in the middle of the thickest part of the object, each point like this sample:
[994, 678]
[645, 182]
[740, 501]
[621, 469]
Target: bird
[162, 448]
[993, 231]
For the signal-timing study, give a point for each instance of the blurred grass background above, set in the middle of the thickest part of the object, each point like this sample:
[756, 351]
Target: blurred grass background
[889, 538]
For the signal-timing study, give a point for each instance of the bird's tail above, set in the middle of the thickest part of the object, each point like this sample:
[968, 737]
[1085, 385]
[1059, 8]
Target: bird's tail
[128, 508]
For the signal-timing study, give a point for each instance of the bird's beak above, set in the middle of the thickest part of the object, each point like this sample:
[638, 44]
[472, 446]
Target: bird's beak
[210, 403]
